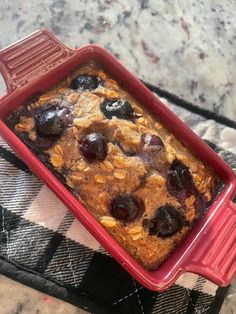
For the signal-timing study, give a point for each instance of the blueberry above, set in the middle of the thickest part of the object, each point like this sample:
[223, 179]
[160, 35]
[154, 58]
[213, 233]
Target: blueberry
[50, 121]
[166, 221]
[126, 208]
[152, 142]
[152, 152]
[179, 176]
[119, 108]
[94, 147]
[85, 82]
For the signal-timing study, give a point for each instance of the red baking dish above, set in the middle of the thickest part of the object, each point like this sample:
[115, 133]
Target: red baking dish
[39, 61]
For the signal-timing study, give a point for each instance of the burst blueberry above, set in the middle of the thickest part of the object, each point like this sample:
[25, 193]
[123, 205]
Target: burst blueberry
[50, 121]
[126, 207]
[152, 142]
[85, 82]
[166, 222]
[119, 108]
[94, 147]
[179, 176]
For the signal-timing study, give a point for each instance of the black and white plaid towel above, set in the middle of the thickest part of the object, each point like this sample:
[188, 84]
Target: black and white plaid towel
[42, 245]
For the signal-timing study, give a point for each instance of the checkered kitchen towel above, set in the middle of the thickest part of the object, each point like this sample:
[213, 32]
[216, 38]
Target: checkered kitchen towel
[42, 245]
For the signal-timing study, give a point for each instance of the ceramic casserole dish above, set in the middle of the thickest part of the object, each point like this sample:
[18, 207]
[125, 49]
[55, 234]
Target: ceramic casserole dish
[38, 62]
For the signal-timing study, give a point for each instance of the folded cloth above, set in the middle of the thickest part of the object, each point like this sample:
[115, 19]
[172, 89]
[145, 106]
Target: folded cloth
[44, 246]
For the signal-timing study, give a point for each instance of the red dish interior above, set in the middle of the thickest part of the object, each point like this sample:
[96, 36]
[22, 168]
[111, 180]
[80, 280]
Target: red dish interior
[36, 64]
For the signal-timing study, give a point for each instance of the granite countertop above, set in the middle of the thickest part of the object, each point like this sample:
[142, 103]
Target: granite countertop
[187, 47]
[24, 300]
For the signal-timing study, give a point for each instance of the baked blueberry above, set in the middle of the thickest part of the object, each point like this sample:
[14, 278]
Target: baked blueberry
[152, 152]
[94, 147]
[50, 121]
[119, 108]
[166, 222]
[179, 176]
[126, 208]
[152, 142]
[85, 82]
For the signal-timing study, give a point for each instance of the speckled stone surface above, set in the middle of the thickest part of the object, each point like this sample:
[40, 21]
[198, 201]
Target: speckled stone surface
[229, 305]
[187, 47]
[16, 298]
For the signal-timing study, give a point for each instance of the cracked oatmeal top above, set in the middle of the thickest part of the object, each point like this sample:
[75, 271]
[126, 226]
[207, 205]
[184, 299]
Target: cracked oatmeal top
[137, 179]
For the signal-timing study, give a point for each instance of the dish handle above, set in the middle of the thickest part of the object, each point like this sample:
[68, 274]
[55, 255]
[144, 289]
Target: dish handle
[31, 57]
[214, 256]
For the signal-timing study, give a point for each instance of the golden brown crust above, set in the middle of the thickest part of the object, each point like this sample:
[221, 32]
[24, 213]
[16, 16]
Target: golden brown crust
[96, 184]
